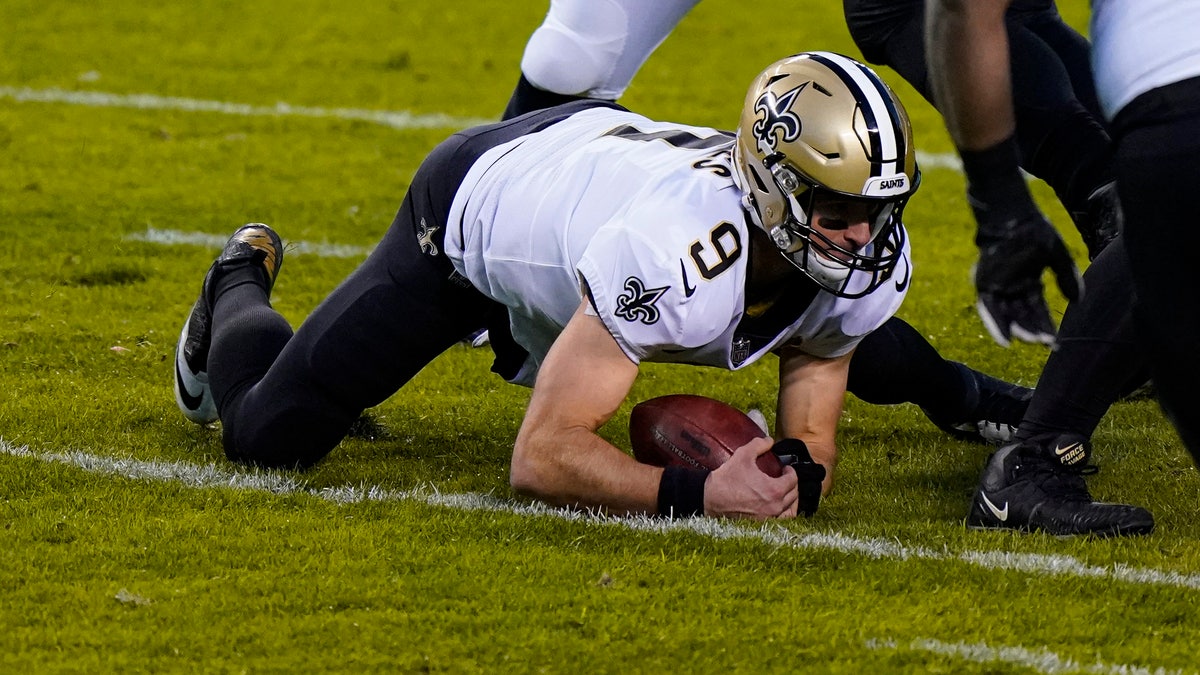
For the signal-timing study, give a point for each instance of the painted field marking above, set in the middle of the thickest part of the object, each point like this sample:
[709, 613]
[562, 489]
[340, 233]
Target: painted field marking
[213, 476]
[395, 119]
[400, 119]
[217, 241]
[1040, 660]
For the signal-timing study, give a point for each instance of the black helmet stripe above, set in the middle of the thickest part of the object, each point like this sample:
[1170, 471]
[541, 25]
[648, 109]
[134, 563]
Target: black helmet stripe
[879, 111]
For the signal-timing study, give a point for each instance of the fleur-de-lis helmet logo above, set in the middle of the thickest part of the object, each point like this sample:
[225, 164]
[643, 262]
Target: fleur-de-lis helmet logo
[776, 123]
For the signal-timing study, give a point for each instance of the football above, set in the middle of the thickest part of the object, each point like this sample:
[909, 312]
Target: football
[693, 431]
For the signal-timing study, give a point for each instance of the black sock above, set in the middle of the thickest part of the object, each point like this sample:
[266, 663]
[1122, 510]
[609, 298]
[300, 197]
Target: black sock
[995, 186]
[247, 334]
[527, 98]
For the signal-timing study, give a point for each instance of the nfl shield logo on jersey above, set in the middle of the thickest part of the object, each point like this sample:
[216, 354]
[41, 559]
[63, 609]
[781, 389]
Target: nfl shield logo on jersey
[740, 352]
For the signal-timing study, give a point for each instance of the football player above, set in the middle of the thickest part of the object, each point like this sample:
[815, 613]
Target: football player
[1147, 63]
[1037, 482]
[608, 240]
[591, 50]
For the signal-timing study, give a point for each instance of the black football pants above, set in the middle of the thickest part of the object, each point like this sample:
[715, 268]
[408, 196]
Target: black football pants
[287, 400]
[1158, 173]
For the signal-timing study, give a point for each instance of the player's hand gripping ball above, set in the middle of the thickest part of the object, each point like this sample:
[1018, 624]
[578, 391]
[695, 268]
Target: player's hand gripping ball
[702, 433]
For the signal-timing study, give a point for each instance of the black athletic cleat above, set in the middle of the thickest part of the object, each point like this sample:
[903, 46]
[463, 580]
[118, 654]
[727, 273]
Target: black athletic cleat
[1102, 220]
[479, 338]
[253, 244]
[994, 409]
[1022, 489]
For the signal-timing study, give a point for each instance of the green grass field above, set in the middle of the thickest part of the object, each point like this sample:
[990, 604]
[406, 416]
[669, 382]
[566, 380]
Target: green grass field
[133, 140]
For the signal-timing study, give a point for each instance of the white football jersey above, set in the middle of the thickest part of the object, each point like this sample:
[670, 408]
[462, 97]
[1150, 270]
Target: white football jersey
[645, 216]
[1141, 45]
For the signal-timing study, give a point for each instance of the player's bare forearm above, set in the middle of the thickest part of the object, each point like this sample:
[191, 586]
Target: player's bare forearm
[811, 394]
[575, 467]
[966, 46]
[558, 458]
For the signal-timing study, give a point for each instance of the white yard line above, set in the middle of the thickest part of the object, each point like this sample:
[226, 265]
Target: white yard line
[230, 476]
[395, 119]
[98, 99]
[218, 241]
[1039, 660]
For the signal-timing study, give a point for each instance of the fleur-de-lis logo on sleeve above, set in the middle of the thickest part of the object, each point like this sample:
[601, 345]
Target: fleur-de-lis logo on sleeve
[637, 302]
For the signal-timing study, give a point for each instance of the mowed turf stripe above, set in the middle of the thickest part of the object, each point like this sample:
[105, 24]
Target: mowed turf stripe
[394, 119]
[213, 476]
[1040, 660]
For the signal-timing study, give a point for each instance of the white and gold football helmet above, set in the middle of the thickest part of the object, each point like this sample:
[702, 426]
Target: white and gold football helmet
[822, 123]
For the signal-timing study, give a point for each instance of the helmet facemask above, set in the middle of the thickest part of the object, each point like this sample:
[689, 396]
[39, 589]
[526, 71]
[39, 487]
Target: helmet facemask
[842, 271]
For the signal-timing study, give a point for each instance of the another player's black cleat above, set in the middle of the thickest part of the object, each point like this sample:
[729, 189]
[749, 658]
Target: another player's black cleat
[1102, 221]
[992, 408]
[1023, 488]
[253, 244]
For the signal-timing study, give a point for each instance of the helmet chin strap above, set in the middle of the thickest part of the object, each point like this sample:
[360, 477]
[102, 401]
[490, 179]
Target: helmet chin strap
[751, 209]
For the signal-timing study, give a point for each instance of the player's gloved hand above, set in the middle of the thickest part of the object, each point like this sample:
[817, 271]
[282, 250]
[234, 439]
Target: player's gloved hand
[1008, 278]
[809, 474]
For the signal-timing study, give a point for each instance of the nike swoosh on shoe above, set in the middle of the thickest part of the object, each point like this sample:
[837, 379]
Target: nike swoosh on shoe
[197, 407]
[190, 400]
[1000, 513]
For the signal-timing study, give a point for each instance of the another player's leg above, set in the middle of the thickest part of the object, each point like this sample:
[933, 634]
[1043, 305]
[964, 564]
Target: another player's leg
[1158, 160]
[896, 364]
[590, 49]
[1061, 135]
[1037, 482]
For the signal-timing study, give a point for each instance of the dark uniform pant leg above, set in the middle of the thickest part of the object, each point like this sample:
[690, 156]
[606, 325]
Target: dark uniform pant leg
[1058, 117]
[1096, 358]
[1158, 172]
[402, 308]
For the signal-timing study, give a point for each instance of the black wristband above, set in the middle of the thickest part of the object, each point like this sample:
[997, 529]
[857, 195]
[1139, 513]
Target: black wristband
[794, 452]
[681, 492]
